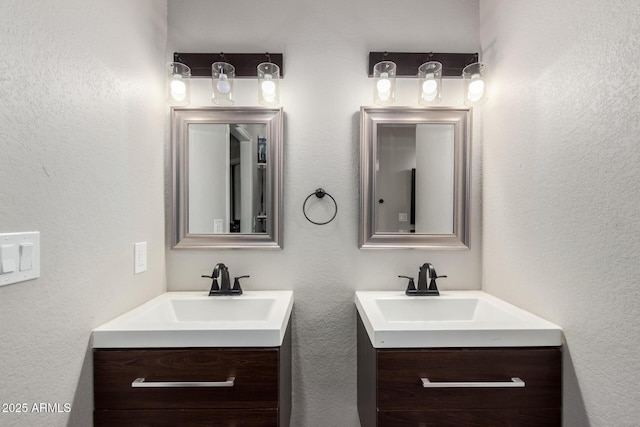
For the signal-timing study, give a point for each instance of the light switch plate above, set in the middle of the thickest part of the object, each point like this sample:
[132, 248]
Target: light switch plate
[19, 257]
[140, 257]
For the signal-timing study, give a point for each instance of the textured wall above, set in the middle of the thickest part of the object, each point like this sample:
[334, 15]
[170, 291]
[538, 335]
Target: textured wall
[561, 184]
[326, 47]
[81, 147]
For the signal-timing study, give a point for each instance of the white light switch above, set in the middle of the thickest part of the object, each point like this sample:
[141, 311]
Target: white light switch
[402, 217]
[8, 256]
[140, 257]
[26, 256]
[19, 257]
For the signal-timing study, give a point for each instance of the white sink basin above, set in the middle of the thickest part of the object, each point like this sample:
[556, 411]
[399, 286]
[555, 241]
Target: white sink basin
[194, 319]
[453, 319]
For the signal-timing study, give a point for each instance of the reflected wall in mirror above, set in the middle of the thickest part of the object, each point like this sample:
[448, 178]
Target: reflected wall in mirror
[227, 177]
[414, 178]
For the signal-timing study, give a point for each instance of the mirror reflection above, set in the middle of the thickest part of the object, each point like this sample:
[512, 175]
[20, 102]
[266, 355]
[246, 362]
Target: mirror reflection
[415, 177]
[227, 178]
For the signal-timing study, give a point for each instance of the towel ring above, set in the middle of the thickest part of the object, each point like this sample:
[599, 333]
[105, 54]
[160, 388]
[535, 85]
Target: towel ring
[319, 193]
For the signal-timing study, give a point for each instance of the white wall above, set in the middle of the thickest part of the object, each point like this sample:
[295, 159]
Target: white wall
[82, 121]
[325, 42]
[435, 175]
[561, 187]
[209, 176]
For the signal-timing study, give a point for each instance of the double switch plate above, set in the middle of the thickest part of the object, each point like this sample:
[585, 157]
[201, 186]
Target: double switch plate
[19, 257]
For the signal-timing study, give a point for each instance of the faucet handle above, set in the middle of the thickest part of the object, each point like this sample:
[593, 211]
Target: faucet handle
[236, 284]
[411, 286]
[432, 281]
[214, 283]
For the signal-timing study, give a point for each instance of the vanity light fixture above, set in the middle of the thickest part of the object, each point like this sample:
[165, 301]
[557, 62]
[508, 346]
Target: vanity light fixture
[384, 83]
[268, 84]
[430, 68]
[475, 86]
[222, 75]
[178, 83]
[224, 67]
[430, 83]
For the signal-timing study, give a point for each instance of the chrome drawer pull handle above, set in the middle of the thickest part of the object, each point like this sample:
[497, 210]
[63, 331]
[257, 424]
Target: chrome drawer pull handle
[140, 382]
[515, 382]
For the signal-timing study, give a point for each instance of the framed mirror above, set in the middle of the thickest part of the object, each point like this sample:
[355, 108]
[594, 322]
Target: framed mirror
[414, 177]
[227, 177]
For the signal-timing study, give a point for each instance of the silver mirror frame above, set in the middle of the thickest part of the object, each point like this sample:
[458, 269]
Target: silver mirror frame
[272, 118]
[370, 118]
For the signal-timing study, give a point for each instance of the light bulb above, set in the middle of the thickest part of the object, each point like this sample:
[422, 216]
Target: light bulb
[476, 88]
[429, 89]
[384, 84]
[268, 86]
[384, 87]
[178, 88]
[268, 90]
[222, 85]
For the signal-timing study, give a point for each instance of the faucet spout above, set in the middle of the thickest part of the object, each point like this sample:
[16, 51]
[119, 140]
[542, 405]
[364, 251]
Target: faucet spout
[426, 281]
[426, 272]
[221, 271]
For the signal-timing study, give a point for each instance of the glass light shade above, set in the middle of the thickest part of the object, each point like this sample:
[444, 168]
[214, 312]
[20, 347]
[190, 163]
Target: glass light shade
[475, 83]
[222, 75]
[178, 84]
[268, 84]
[384, 83]
[430, 83]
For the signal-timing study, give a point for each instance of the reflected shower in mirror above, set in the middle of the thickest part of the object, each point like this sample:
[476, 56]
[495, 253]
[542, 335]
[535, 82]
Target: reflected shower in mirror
[414, 177]
[227, 177]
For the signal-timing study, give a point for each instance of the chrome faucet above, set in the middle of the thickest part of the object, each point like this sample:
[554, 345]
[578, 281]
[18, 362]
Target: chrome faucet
[427, 272]
[221, 271]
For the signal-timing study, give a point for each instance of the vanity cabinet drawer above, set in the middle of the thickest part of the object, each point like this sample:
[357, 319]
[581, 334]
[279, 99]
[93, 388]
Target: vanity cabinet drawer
[472, 418]
[191, 418]
[478, 378]
[224, 378]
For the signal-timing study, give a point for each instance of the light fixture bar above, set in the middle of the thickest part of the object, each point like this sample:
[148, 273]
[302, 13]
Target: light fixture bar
[408, 63]
[244, 63]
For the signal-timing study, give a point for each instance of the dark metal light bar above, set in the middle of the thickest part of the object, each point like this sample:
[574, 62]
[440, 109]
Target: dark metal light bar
[407, 63]
[244, 63]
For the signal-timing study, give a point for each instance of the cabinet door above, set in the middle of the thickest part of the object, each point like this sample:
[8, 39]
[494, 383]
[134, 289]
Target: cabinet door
[472, 418]
[235, 378]
[487, 374]
[190, 418]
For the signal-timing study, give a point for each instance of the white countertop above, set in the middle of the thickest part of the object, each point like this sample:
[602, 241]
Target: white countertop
[194, 319]
[453, 319]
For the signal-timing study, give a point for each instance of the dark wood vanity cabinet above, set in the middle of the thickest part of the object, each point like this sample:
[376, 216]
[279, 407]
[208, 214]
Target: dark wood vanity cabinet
[253, 387]
[391, 392]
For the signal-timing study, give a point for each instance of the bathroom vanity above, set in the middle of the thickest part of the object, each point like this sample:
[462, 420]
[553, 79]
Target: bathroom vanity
[233, 386]
[421, 373]
[173, 362]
